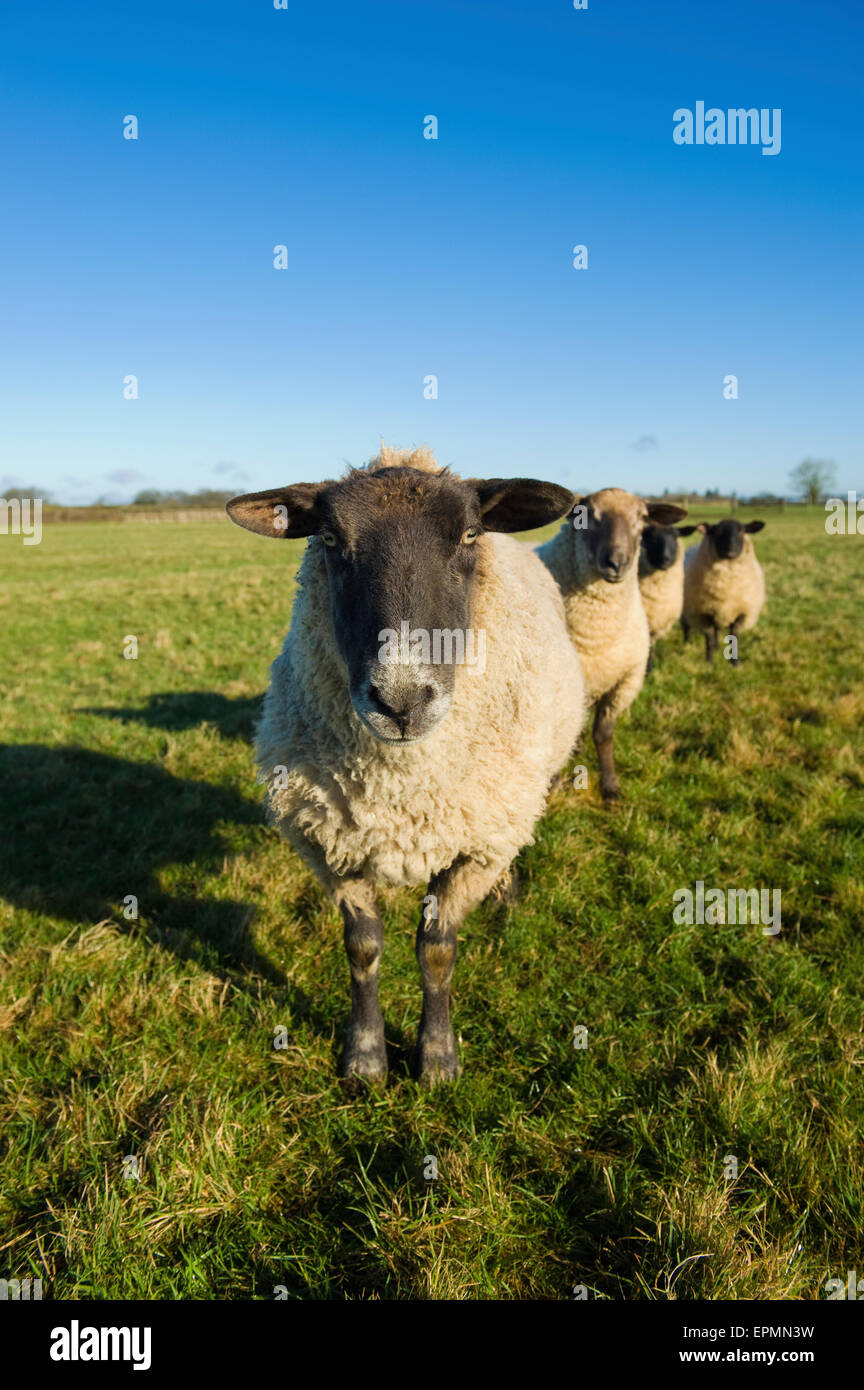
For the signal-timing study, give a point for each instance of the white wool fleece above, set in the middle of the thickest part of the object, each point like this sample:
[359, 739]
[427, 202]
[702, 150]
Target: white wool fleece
[475, 786]
[719, 591]
[663, 596]
[606, 622]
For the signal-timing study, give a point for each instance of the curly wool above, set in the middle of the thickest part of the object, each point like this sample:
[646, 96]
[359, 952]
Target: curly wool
[475, 786]
[421, 458]
[720, 591]
[663, 596]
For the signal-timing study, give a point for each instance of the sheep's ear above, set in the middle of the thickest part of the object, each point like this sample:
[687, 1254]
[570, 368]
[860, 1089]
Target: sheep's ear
[703, 527]
[754, 526]
[686, 530]
[521, 504]
[280, 512]
[665, 514]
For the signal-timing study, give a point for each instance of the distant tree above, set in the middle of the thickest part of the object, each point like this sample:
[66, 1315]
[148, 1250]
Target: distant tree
[210, 497]
[813, 478]
[204, 497]
[14, 490]
[764, 499]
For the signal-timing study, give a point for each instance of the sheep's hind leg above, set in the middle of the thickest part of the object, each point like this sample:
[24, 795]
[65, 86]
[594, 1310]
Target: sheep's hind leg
[452, 894]
[604, 732]
[685, 628]
[365, 1049]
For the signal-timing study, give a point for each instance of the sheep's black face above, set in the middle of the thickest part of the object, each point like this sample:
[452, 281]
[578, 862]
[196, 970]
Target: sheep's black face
[401, 547]
[727, 537]
[611, 524]
[401, 551]
[659, 547]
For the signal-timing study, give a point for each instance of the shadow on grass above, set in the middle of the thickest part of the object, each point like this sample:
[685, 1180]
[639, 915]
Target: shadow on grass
[186, 709]
[80, 831]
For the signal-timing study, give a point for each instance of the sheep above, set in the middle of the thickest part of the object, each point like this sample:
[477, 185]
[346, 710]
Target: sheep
[385, 765]
[594, 561]
[661, 578]
[724, 586]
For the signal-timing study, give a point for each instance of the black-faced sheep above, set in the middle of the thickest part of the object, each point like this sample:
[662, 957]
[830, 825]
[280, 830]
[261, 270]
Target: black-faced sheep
[724, 586]
[594, 558]
[384, 764]
[661, 577]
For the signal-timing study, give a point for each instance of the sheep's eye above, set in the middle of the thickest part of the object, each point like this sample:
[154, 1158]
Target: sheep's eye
[470, 536]
[328, 537]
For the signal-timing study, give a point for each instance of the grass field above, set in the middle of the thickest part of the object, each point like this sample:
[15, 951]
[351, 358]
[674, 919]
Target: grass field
[151, 1038]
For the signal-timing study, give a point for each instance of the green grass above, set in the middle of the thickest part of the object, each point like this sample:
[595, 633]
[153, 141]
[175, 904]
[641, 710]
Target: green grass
[557, 1167]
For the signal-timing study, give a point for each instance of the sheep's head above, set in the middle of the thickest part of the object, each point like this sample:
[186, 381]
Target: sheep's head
[726, 538]
[401, 545]
[660, 546]
[610, 523]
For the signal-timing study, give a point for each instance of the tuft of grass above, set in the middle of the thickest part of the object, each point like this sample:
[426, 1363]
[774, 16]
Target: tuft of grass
[156, 1144]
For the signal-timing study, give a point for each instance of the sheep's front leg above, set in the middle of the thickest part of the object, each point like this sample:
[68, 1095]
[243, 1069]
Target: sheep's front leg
[710, 641]
[452, 894]
[734, 630]
[365, 1048]
[685, 628]
[604, 732]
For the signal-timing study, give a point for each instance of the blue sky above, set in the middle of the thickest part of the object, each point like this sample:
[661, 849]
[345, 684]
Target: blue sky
[409, 257]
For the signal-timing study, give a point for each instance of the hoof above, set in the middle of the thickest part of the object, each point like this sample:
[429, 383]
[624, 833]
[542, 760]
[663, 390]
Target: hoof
[355, 1085]
[611, 794]
[437, 1062]
[355, 1082]
[365, 1059]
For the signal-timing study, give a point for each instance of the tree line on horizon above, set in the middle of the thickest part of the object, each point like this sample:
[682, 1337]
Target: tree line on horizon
[812, 480]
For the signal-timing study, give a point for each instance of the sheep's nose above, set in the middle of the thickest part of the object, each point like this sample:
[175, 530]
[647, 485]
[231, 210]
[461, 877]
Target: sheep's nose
[405, 709]
[614, 562]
